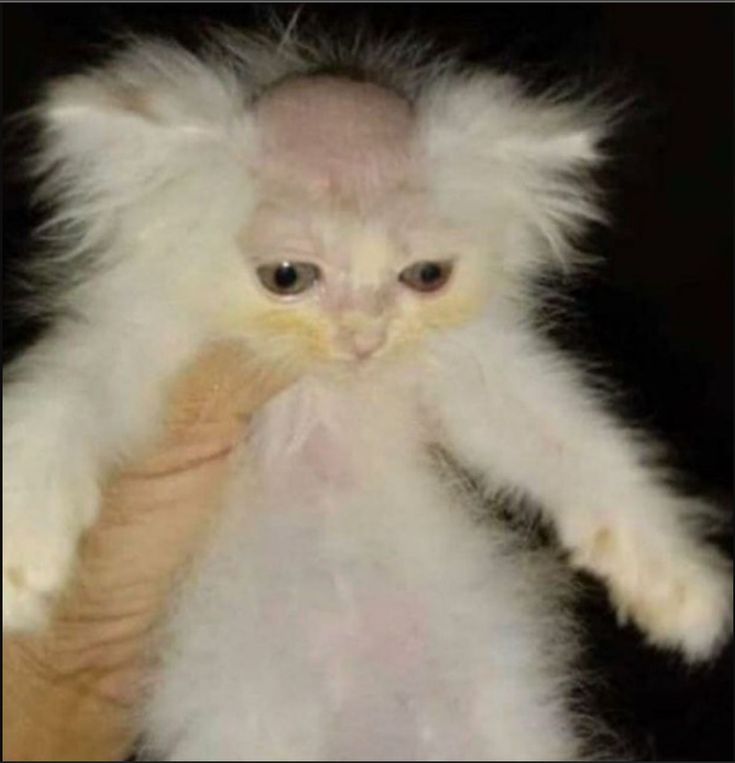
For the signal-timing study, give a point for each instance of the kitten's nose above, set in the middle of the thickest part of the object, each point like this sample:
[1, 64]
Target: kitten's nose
[363, 342]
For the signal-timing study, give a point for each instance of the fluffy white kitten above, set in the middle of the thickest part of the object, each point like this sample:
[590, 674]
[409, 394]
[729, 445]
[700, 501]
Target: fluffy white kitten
[371, 224]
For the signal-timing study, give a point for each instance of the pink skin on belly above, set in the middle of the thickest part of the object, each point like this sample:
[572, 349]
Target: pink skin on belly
[386, 631]
[328, 134]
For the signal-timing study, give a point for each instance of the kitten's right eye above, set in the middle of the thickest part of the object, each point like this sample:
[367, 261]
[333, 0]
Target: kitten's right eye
[288, 278]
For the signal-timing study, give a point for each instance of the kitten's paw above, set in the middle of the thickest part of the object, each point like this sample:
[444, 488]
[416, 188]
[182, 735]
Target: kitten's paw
[681, 597]
[33, 573]
[42, 522]
[689, 608]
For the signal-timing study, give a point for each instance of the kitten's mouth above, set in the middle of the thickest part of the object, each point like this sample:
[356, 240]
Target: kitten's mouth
[358, 361]
[351, 364]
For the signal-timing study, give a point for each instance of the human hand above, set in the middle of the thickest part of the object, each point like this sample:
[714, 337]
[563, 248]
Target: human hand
[70, 693]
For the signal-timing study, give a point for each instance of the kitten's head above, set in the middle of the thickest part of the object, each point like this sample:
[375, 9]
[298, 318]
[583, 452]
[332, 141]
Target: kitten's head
[332, 220]
[352, 261]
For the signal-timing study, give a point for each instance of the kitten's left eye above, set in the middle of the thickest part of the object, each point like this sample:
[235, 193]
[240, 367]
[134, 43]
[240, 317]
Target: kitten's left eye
[288, 278]
[427, 275]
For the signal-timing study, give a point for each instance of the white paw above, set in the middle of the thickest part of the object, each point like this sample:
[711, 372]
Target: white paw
[679, 594]
[44, 514]
[34, 571]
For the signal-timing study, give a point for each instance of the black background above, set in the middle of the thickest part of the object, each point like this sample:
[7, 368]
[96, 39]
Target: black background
[658, 313]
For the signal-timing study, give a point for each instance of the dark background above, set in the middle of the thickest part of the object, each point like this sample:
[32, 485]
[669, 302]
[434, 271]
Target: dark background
[657, 314]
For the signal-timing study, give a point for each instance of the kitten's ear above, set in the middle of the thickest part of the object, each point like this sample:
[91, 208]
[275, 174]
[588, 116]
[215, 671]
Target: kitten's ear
[128, 124]
[501, 158]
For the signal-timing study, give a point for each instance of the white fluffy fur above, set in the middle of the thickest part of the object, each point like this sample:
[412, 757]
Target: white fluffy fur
[397, 628]
[338, 514]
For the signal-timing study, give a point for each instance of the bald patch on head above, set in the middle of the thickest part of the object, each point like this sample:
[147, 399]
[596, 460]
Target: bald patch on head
[330, 135]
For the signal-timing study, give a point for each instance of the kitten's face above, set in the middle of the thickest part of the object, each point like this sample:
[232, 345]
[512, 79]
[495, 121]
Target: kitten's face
[349, 265]
[337, 287]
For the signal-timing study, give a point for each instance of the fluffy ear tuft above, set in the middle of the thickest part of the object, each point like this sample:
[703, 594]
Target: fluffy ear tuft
[74, 99]
[110, 135]
[502, 159]
[154, 80]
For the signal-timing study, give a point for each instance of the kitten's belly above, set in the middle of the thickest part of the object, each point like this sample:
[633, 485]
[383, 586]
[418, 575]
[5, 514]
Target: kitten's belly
[344, 616]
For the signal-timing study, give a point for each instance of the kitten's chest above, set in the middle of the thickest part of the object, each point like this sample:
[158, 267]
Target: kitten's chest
[352, 585]
[327, 438]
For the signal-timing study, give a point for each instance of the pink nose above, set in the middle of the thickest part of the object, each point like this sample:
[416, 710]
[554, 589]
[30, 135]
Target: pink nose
[364, 343]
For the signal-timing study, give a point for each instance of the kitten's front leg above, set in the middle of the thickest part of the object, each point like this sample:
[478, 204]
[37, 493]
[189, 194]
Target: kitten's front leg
[73, 405]
[518, 411]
